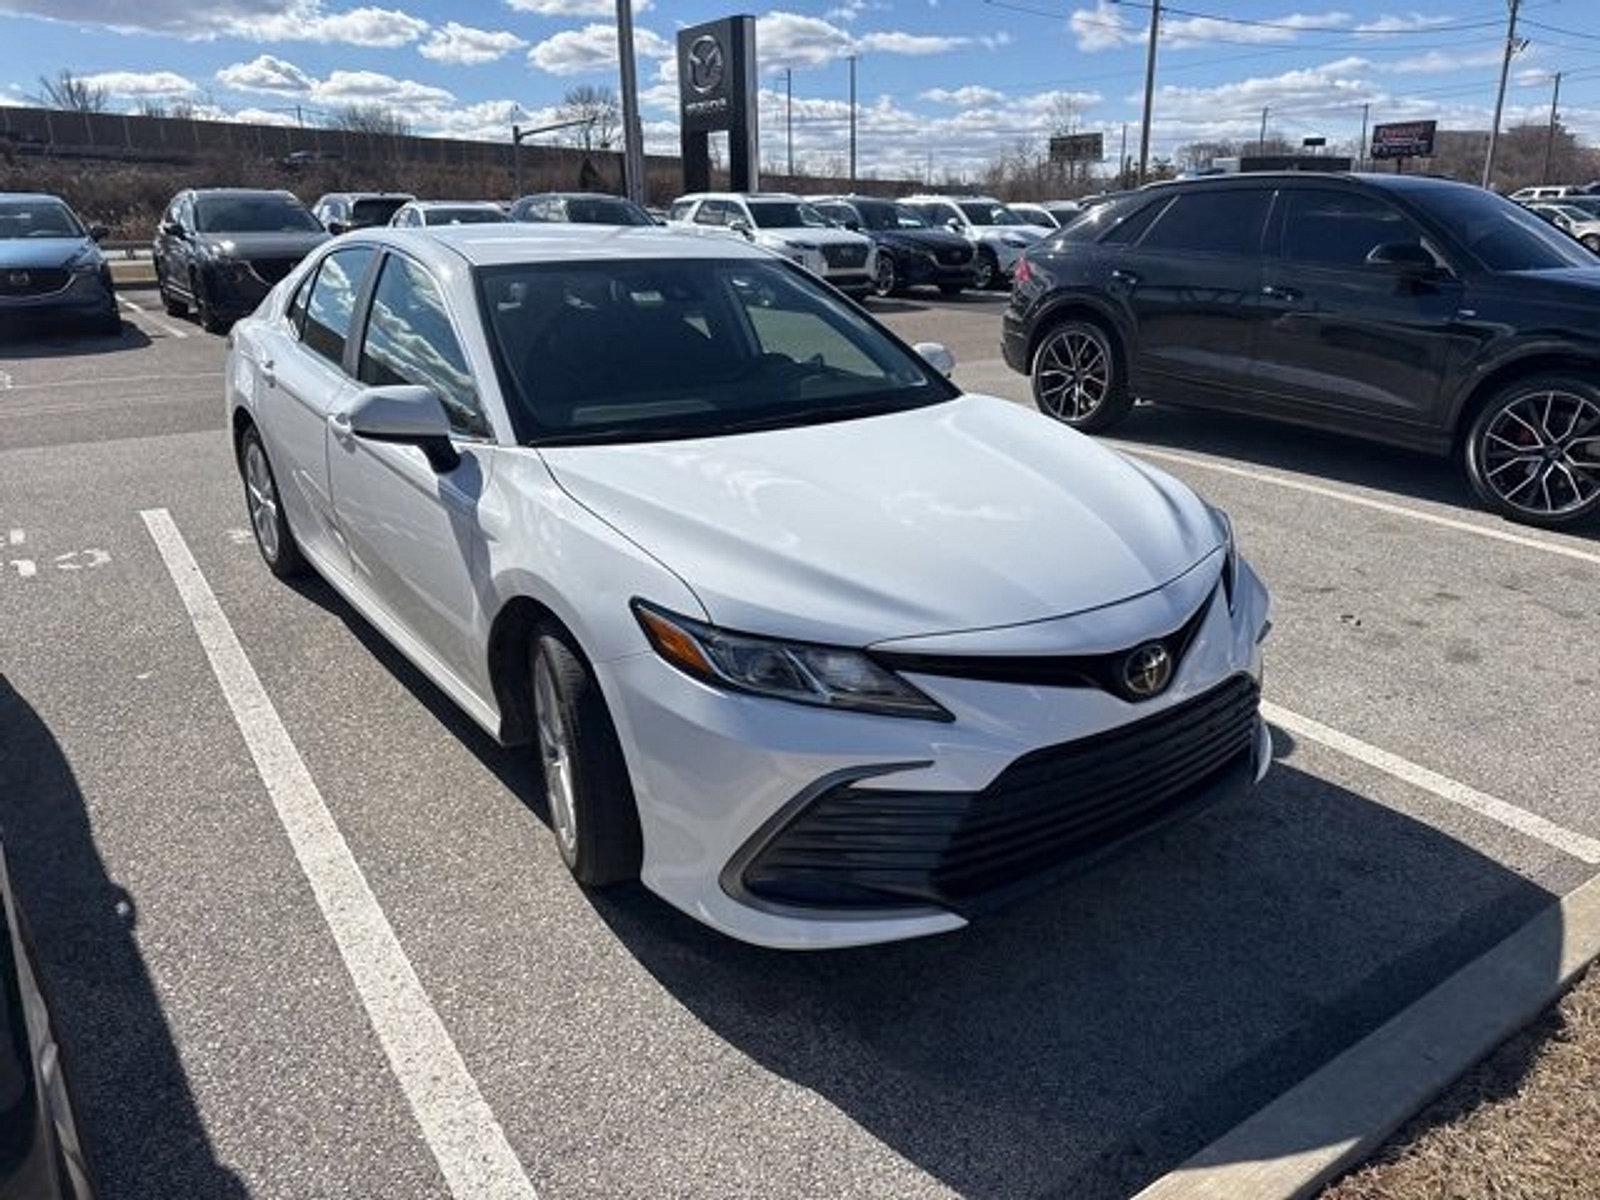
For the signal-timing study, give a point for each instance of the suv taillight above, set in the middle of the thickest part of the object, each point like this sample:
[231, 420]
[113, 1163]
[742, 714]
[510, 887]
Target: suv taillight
[1022, 273]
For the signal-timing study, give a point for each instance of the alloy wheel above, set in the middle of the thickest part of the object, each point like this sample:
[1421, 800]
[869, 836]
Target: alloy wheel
[1540, 453]
[883, 280]
[983, 273]
[1073, 371]
[262, 498]
[555, 755]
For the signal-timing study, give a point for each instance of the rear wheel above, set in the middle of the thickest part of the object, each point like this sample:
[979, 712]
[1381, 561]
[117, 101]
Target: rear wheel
[885, 279]
[1533, 452]
[1076, 380]
[985, 270]
[267, 520]
[592, 810]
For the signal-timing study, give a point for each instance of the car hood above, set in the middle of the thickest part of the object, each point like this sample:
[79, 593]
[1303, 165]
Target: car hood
[808, 233]
[994, 233]
[922, 239]
[40, 254]
[263, 245]
[963, 515]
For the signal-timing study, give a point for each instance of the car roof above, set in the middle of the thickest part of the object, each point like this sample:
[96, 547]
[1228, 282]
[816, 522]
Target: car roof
[571, 196]
[740, 196]
[242, 191]
[32, 196]
[452, 204]
[367, 196]
[513, 242]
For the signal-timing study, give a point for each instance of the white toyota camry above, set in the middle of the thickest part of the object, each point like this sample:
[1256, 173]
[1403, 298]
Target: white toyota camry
[822, 649]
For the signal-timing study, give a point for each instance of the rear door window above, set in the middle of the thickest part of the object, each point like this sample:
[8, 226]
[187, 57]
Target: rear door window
[332, 304]
[1211, 221]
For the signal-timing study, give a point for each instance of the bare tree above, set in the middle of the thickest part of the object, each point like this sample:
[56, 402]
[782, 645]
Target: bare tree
[152, 108]
[71, 92]
[598, 107]
[370, 118]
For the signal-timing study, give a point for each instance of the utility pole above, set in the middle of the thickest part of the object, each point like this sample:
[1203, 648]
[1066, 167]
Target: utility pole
[788, 113]
[1149, 89]
[1550, 133]
[852, 122]
[632, 133]
[1122, 163]
[1500, 94]
[1361, 151]
[1261, 142]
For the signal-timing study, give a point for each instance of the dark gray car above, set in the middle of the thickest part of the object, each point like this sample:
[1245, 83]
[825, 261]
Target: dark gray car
[50, 266]
[218, 251]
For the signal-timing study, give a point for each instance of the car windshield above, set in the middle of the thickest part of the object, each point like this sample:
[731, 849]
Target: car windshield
[1503, 235]
[253, 214]
[464, 215]
[606, 210]
[713, 347]
[989, 213]
[38, 219]
[786, 214]
[880, 215]
[1572, 212]
[376, 210]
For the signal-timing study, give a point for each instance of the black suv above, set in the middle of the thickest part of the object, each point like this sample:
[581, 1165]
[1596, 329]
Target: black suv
[910, 251]
[580, 208]
[220, 250]
[1415, 311]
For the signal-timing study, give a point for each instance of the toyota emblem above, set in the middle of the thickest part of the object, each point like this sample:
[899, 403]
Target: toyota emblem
[1147, 671]
[705, 64]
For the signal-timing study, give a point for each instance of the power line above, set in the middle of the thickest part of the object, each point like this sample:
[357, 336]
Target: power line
[1293, 27]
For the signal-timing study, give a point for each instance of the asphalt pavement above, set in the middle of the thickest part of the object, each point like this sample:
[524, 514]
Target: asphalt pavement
[1077, 1044]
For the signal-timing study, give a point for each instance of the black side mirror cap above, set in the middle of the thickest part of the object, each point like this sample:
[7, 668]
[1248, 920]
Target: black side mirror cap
[98, 232]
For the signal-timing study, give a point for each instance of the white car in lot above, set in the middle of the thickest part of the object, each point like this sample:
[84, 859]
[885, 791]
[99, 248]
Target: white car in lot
[824, 650]
[787, 225]
[999, 234]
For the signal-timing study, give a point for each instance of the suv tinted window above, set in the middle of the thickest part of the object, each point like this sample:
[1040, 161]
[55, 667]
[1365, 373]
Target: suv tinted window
[1339, 228]
[712, 212]
[1211, 221]
[409, 340]
[1127, 219]
[333, 301]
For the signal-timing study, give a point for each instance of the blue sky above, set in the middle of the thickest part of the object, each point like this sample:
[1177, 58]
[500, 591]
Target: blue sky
[947, 82]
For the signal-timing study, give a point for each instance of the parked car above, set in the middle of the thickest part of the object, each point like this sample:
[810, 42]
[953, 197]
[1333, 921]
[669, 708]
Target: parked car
[220, 250]
[1570, 219]
[784, 223]
[1545, 192]
[51, 267]
[41, 1156]
[910, 252]
[1409, 310]
[1036, 215]
[999, 235]
[417, 213]
[813, 643]
[341, 212]
[582, 208]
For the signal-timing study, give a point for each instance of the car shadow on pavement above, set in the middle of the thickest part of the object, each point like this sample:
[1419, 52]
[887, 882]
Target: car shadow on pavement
[1085, 1041]
[25, 342]
[140, 1128]
[1324, 455]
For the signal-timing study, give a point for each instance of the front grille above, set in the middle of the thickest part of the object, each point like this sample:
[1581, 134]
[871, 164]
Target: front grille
[31, 281]
[270, 270]
[954, 256]
[845, 256]
[863, 847]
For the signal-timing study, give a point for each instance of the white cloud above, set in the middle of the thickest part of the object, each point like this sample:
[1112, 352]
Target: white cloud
[465, 46]
[143, 85]
[786, 39]
[1197, 31]
[1102, 27]
[592, 48]
[1332, 87]
[894, 42]
[374, 87]
[993, 41]
[264, 73]
[573, 8]
[1436, 61]
[306, 21]
[264, 116]
[1400, 24]
[253, 20]
[967, 96]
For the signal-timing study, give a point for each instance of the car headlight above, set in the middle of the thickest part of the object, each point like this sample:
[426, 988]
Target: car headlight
[800, 245]
[1230, 564]
[86, 262]
[802, 672]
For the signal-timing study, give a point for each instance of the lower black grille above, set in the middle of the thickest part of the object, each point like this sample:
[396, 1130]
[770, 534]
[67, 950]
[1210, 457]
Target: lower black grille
[272, 269]
[955, 256]
[864, 847]
[845, 256]
[30, 281]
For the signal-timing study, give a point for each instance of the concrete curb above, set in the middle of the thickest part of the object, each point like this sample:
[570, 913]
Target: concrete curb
[1343, 1111]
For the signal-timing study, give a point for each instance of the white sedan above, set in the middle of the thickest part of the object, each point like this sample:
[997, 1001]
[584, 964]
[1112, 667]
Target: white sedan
[824, 650]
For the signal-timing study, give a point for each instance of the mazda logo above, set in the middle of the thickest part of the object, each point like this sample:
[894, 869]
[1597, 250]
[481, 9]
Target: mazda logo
[1147, 671]
[19, 279]
[705, 64]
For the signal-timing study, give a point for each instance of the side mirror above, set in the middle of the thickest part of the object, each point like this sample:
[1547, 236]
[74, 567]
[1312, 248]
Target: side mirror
[740, 226]
[1403, 258]
[98, 232]
[953, 225]
[853, 225]
[338, 227]
[937, 356]
[172, 229]
[406, 415]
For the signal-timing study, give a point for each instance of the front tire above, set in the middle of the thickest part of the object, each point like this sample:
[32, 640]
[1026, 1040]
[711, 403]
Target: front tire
[592, 810]
[1592, 241]
[267, 520]
[174, 306]
[886, 277]
[1076, 378]
[985, 270]
[1532, 453]
[203, 308]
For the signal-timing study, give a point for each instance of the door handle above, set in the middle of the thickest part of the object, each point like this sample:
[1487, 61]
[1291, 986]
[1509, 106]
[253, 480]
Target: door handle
[268, 376]
[1118, 275]
[1274, 292]
[340, 424]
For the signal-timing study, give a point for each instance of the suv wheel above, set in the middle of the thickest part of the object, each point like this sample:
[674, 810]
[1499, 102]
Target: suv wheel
[1075, 377]
[174, 306]
[203, 309]
[885, 280]
[985, 270]
[1533, 452]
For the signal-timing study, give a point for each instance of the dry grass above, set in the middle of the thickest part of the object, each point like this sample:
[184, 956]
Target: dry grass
[1522, 1125]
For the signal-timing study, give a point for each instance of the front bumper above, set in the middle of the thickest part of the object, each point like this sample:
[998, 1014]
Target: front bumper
[923, 270]
[232, 288]
[85, 295]
[724, 782]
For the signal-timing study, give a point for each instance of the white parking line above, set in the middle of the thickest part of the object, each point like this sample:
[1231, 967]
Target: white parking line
[459, 1127]
[1578, 845]
[158, 322]
[1398, 510]
[108, 380]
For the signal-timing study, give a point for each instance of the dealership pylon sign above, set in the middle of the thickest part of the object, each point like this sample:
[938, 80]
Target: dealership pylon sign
[717, 91]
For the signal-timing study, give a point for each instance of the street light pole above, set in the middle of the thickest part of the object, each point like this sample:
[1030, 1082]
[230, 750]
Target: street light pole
[1550, 133]
[1261, 142]
[632, 133]
[1361, 150]
[788, 113]
[1500, 94]
[852, 122]
[1149, 89]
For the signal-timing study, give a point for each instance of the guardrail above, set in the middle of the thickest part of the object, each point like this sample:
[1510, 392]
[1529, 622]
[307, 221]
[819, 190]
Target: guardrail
[125, 249]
